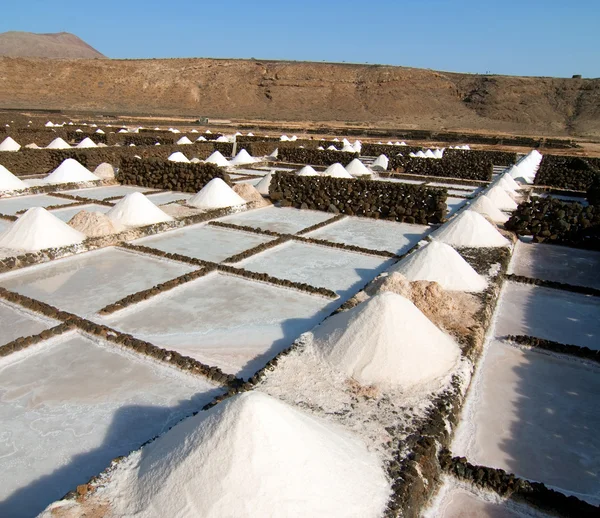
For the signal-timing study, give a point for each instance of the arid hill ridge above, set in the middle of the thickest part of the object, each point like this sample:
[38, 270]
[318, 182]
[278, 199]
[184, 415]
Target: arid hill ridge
[52, 45]
[303, 91]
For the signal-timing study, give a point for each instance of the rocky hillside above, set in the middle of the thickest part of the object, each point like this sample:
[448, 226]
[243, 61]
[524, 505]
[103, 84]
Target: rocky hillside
[59, 45]
[301, 91]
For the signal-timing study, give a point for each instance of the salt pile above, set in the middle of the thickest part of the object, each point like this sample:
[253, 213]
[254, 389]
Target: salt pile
[274, 153]
[381, 162]
[357, 146]
[95, 224]
[284, 138]
[9, 144]
[348, 149]
[508, 183]
[357, 168]
[99, 131]
[337, 171]
[501, 199]
[332, 148]
[135, 210]
[68, 171]
[429, 154]
[264, 185]
[183, 140]
[201, 139]
[37, 229]
[87, 142]
[243, 157]
[216, 194]
[9, 182]
[195, 160]
[105, 171]
[470, 229]
[250, 194]
[438, 262]
[387, 340]
[178, 156]
[218, 159]
[483, 205]
[49, 124]
[58, 143]
[33, 145]
[307, 171]
[251, 456]
[438, 153]
[222, 138]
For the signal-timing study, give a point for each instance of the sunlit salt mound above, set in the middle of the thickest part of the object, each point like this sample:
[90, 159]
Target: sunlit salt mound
[264, 185]
[183, 140]
[386, 340]
[70, 171]
[87, 142]
[252, 456]
[58, 143]
[135, 210]
[178, 156]
[9, 182]
[9, 144]
[470, 229]
[501, 199]
[95, 224]
[347, 148]
[218, 159]
[216, 194]
[483, 205]
[243, 157]
[508, 184]
[337, 171]
[439, 262]
[357, 168]
[105, 171]
[381, 162]
[307, 171]
[37, 229]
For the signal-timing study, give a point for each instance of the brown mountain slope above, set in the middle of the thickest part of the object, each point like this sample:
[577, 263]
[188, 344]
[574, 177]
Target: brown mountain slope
[58, 45]
[300, 91]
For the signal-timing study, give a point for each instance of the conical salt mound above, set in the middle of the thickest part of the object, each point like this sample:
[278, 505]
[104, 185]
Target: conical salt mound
[439, 262]
[264, 185]
[307, 171]
[135, 210]
[178, 156]
[337, 171]
[381, 162]
[9, 144]
[357, 168]
[429, 154]
[501, 199]
[218, 159]
[470, 229]
[483, 205]
[9, 182]
[243, 157]
[347, 148]
[251, 456]
[37, 229]
[87, 142]
[58, 143]
[70, 171]
[216, 194]
[183, 140]
[507, 183]
[105, 171]
[386, 340]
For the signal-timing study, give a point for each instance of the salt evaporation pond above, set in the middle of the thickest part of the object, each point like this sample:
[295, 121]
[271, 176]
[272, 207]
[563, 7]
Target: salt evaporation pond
[562, 316]
[66, 214]
[339, 270]
[111, 191]
[11, 206]
[204, 242]
[16, 322]
[387, 236]
[70, 405]
[557, 263]
[454, 205]
[4, 224]
[229, 322]
[284, 220]
[535, 415]
[85, 283]
[168, 197]
[252, 181]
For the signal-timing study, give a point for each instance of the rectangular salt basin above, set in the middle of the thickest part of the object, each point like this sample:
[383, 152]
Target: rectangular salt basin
[71, 405]
[11, 206]
[204, 242]
[454, 205]
[68, 213]
[16, 322]
[252, 181]
[168, 197]
[253, 172]
[341, 271]
[373, 234]
[400, 180]
[226, 321]
[535, 415]
[87, 282]
[557, 263]
[562, 316]
[101, 193]
[283, 220]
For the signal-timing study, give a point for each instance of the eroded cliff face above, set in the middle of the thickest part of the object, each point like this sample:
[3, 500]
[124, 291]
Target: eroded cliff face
[380, 95]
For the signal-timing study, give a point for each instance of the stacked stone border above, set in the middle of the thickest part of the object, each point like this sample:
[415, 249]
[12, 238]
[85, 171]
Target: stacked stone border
[555, 347]
[584, 290]
[27, 341]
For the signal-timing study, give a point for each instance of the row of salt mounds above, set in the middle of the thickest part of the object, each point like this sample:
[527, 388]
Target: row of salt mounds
[242, 158]
[87, 142]
[439, 262]
[37, 229]
[218, 159]
[337, 171]
[388, 341]
[183, 140]
[251, 456]
[70, 170]
[470, 229]
[9, 144]
[500, 198]
[357, 168]
[307, 170]
[135, 210]
[216, 194]
[381, 162]
[483, 205]
[178, 156]
[524, 170]
[58, 143]
[9, 182]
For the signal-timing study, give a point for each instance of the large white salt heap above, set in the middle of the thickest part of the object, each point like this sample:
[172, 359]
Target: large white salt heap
[501, 199]
[183, 140]
[9, 182]
[218, 159]
[105, 171]
[483, 205]
[357, 168]
[386, 340]
[58, 143]
[216, 194]
[135, 210]
[9, 144]
[243, 157]
[251, 456]
[507, 183]
[70, 170]
[439, 262]
[87, 142]
[337, 171]
[307, 171]
[37, 229]
[470, 229]
[524, 170]
[178, 156]
[264, 185]
[381, 162]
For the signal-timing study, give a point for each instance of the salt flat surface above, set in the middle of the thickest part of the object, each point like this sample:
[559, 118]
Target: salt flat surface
[341, 271]
[85, 283]
[558, 315]
[253, 172]
[168, 197]
[69, 406]
[101, 193]
[535, 415]
[454, 186]
[400, 180]
[374, 234]
[67, 214]
[13, 205]
[204, 242]
[226, 321]
[284, 220]
[16, 322]
[454, 204]
[252, 181]
[4, 224]
[557, 263]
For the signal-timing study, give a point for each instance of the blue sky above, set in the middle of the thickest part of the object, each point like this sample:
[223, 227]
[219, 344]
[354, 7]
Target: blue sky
[527, 37]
